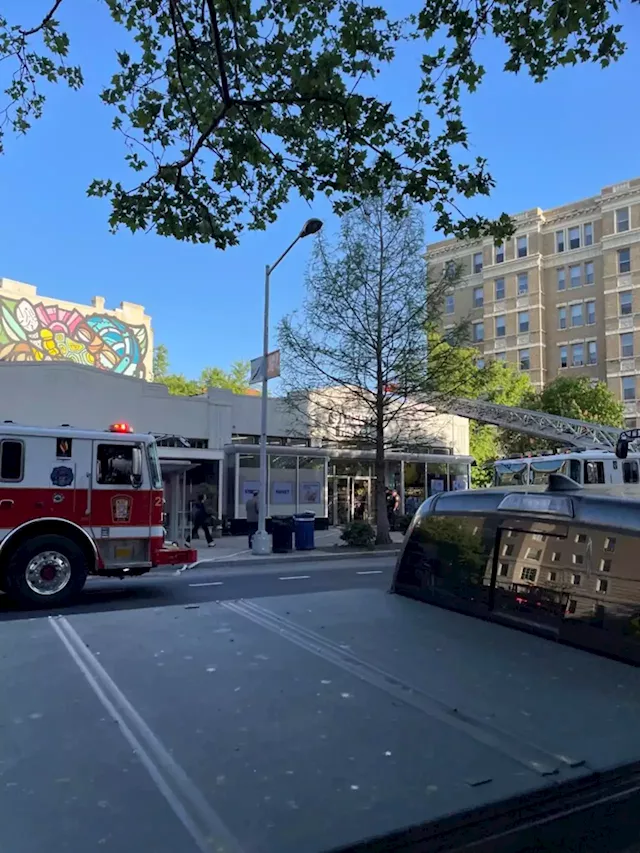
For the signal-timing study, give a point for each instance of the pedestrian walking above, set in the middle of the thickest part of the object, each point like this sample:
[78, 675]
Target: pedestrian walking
[200, 521]
[252, 507]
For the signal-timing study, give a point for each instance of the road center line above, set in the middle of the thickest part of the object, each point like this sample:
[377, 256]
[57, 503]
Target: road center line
[295, 578]
[208, 583]
[371, 572]
[185, 799]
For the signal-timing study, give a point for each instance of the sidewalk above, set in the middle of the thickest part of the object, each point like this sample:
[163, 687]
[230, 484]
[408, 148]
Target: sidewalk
[234, 550]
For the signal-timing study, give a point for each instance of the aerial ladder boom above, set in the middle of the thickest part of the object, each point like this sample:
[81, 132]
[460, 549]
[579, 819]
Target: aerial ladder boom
[579, 434]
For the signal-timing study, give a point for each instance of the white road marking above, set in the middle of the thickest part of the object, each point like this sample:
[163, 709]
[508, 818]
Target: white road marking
[187, 801]
[209, 583]
[371, 572]
[295, 578]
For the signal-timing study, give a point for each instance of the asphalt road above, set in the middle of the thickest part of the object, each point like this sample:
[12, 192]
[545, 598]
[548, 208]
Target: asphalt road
[210, 584]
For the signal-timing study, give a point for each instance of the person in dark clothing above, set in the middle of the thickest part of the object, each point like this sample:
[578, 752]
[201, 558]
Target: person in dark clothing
[252, 507]
[393, 502]
[200, 520]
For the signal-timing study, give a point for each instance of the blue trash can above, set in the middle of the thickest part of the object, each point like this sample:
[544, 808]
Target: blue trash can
[304, 525]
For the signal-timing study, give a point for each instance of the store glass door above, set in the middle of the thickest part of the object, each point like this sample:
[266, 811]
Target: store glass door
[339, 500]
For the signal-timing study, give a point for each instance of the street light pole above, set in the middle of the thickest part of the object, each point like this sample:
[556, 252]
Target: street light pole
[260, 544]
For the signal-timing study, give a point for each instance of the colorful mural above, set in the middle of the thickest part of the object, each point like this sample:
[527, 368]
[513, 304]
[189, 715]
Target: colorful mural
[38, 332]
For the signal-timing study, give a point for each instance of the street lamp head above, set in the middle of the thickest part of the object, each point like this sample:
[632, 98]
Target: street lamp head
[311, 226]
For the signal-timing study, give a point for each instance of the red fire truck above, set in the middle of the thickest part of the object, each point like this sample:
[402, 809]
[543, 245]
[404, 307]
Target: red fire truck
[75, 503]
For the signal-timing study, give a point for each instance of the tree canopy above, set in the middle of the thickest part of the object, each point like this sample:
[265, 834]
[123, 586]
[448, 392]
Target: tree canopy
[227, 108]
[236, 379]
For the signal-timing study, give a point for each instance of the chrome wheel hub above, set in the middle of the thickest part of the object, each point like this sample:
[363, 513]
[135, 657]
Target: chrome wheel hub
[48, 573]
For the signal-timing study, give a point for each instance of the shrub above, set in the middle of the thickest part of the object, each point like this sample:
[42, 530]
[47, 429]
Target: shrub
[403, 522]
[359, 533]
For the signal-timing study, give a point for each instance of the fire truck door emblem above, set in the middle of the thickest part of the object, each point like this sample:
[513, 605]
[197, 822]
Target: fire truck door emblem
[121, 509]
[61, 476]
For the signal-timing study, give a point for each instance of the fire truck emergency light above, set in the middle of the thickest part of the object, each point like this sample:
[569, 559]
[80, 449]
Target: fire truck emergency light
[122, 427]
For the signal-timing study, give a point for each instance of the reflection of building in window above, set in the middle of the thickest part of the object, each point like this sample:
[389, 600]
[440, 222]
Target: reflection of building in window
[605, 565]
[578, 559]
[555, 557]
[552, 576]
[533, 554]
[610, 543]
[539, 537]
[575, 580]
[504, 570]
[115, 464]
[580, 538]
[507, 551]
[529, 574]
[602, 584]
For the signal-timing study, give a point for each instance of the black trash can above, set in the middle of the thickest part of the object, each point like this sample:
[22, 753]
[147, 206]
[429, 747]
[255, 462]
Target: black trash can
[305, 527]
[281, 534]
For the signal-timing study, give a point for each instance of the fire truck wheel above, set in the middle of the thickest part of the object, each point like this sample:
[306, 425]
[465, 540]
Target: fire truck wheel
[47, 571]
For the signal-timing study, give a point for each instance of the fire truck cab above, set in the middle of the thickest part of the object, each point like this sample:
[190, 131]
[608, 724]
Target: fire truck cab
[75, 503]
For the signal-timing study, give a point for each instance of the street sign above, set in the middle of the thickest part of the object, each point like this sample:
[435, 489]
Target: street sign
[273, 367]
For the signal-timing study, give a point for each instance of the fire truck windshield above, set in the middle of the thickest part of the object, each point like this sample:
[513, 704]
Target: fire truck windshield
[155, 474]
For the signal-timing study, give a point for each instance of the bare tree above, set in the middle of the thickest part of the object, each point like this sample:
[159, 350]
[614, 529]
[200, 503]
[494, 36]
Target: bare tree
[362, 361]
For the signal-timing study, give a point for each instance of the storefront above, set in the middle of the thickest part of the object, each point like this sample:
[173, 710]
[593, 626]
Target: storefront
[337, 486]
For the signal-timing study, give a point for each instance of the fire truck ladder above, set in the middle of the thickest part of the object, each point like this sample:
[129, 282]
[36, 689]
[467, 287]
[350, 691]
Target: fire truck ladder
[579, 434]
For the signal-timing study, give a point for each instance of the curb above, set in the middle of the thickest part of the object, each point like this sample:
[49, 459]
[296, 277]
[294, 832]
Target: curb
[294, 558]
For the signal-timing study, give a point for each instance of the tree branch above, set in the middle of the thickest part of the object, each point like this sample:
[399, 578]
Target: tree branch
[43, 23]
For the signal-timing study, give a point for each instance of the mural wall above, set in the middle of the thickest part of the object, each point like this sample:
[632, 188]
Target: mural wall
[33, 331]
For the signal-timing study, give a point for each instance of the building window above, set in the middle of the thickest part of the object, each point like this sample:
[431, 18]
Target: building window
[589, 273]
[576, 315]
[626, 345]
[575, 580]
[577, 355]
[559, 241]
[478, 297]
[591, 312]
[578, 559]
[592, 352]
[610, 544]
[628, 387]
[12, 461]
[562, 318]
[625, 301]
[588, 233]
[622, 219]
[499, 283]
[563, 356]
[533, 554]
[524, 359]
[580, 538]
[501, 326]
[501, 356]
[507, 551]
[539, 537]
[523, 322]
[504, 570]
[574, 237]
[555, 557]
[562, 278]
[478, 332]
[552, 576]
[450, 304]
[522, 247]
[572, 606]
[529, 574]
[500, 254]
[575, 275]
[477, 262]
[480, 363]
[605, 565]
[523, 283]
[602, 584]
[624, 261]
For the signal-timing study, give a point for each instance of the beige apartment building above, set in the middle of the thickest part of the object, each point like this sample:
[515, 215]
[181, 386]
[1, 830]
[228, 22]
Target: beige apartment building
[562, 296]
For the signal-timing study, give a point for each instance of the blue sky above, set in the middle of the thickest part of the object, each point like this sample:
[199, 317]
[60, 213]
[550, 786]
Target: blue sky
[546, 145]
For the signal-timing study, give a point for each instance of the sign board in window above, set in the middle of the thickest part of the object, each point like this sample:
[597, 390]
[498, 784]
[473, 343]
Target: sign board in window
[309, 493]
[248, 489]
[282, 493]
